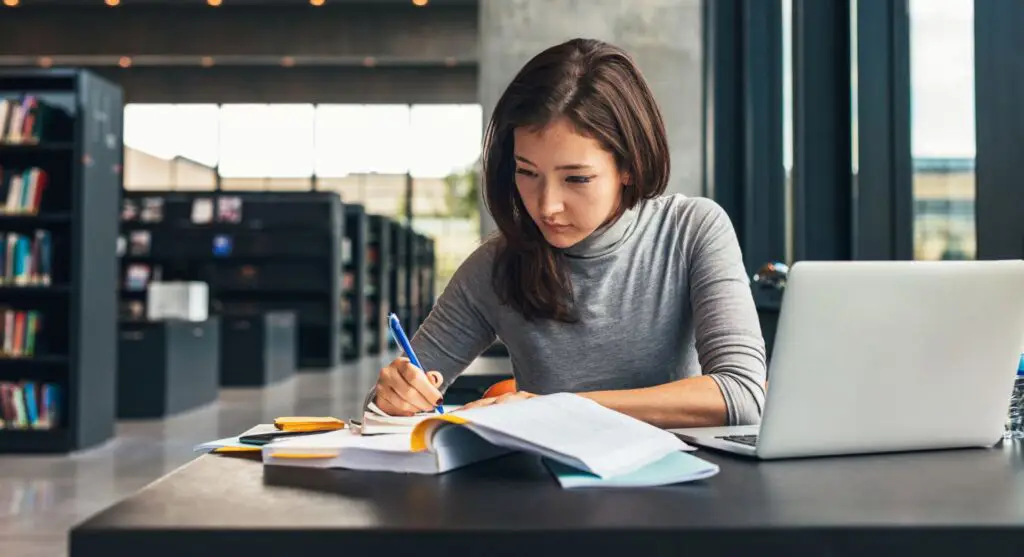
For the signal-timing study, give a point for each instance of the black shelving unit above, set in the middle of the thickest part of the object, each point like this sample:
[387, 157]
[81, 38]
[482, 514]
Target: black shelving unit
[428, 272]
[354, 283]
[378, 291]
[61, 157]
[259, 252]
[399, 276]
[414, 286]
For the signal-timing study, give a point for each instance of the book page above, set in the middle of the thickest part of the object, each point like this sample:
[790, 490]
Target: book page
[576, 431]
[334, 441]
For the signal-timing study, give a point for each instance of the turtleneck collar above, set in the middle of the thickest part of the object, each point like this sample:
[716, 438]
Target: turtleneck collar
[605, 239]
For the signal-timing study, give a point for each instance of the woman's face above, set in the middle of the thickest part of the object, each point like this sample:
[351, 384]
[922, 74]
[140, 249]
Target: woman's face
[568, 182]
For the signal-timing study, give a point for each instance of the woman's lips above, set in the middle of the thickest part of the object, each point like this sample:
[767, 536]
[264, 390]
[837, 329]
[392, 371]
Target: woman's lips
[556, 227]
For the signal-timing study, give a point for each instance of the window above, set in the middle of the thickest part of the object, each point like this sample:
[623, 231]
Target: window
[787, 121]
[365, 153]
[444, 149]
[170, 146]
[942, 128]
[266, 146]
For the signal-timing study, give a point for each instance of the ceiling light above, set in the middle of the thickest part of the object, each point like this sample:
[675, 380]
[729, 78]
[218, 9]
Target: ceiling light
[213, 3]
[287, 61]
[206, 61]
[112, 3]
[124, 62]
[10, 3]
[317, 2]
[419, 3]
[45, 61]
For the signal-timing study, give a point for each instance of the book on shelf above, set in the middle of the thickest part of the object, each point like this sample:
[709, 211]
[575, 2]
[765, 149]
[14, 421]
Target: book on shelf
[150, 211]
[21, 190]
[229, 209]
[202, 210]
[140, 242]
[29, 405]
[138, 275]
[26, 120]
[26, 260]
[19, 330]
[132, 310]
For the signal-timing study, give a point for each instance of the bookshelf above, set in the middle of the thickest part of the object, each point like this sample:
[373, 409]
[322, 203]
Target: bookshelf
[399, 277]
[421, 272]
[259, 252]
[378, 293]
[414, 284]
[353, 336]
[60, 180]
[428, 271]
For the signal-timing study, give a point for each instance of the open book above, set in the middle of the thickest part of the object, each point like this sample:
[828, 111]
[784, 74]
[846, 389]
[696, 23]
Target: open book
[564, 428]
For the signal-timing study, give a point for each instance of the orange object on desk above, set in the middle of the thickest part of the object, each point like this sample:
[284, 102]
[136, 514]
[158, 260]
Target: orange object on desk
[308, 423]
[500, 388]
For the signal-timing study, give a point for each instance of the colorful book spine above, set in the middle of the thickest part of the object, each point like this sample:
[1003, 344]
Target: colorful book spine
[19, 331]
[21, 190]
[26, 260]
[29, 405]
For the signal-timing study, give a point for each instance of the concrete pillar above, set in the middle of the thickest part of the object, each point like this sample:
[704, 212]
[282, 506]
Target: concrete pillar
[663, 36]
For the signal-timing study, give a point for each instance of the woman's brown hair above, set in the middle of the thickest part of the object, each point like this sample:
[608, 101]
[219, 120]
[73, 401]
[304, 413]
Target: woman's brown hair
[600, 90]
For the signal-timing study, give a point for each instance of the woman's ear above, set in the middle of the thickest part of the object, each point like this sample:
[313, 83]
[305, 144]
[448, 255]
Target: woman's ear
[627, 180]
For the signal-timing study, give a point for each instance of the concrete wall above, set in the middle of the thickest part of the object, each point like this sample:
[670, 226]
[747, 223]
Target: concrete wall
[663, 36]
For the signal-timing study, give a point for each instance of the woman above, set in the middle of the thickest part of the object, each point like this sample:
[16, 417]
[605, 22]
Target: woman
[597, 284]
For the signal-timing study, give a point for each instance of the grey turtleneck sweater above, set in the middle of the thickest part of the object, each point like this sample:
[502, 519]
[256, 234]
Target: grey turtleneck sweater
[662, 294]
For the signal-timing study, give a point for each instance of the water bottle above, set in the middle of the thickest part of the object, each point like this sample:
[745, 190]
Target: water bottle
[1015, 419]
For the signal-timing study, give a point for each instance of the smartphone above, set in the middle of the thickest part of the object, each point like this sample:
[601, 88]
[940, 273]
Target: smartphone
[264, 438]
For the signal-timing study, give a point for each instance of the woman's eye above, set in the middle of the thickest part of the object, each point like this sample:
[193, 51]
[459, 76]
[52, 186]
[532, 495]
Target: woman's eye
[579, 179]
[525, 172]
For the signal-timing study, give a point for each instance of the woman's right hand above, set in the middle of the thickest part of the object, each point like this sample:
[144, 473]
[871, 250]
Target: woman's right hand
[403, 389]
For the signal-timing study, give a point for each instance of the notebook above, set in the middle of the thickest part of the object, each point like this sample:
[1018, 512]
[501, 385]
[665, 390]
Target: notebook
[377, 422]
[563, 427]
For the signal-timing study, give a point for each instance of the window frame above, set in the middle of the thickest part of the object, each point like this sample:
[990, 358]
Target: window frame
[999, 85]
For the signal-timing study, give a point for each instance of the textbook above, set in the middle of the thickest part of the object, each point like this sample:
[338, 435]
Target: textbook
[564, 428]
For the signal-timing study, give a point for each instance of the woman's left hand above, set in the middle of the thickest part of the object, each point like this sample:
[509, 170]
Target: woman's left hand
[509, 397]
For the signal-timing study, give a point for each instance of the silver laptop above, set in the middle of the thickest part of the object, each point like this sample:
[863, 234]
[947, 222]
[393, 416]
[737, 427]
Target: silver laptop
[887, 356]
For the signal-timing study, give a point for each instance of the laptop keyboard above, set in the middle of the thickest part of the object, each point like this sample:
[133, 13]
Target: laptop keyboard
[743, 439]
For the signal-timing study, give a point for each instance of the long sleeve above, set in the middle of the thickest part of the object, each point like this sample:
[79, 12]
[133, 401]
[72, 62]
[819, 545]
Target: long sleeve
[456, 331]
[730, 346]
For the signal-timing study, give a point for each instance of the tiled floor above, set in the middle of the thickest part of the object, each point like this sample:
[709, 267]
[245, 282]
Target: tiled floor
[41, 498]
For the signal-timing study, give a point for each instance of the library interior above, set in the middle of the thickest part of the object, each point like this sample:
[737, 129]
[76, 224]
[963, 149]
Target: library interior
[222, 221]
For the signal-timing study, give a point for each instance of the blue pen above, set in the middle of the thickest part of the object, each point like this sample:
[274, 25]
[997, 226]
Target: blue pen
[403, 341]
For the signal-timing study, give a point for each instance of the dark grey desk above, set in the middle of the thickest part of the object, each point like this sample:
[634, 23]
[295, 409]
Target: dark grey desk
[967, 502]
